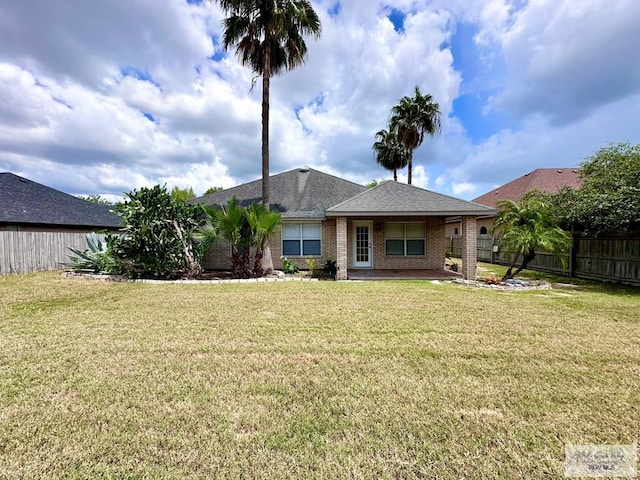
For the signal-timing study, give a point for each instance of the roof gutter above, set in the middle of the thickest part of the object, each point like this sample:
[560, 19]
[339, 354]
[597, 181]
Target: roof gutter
[412, 214]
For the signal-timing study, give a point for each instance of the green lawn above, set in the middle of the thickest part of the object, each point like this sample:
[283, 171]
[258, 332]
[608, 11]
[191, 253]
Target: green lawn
[310, 379]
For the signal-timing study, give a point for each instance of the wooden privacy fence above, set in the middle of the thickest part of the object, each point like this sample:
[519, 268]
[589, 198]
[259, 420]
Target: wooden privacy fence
[606, 259]
[26, 252]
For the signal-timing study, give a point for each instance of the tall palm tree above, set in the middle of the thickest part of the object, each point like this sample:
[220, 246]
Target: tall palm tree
[269, 37]
[390, 153]
[528, 226]
[413, 118]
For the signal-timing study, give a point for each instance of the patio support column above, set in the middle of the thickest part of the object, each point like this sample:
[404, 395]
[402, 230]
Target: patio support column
[469, 248]
[341, 248]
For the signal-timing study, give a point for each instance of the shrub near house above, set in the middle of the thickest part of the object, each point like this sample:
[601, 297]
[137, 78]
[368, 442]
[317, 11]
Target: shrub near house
[156, 235]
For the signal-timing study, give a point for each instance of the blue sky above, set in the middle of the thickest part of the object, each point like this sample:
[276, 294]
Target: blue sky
[91, 102]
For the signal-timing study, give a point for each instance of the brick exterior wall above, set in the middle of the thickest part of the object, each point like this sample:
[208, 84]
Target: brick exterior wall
[469, 248]
[435, 244]
[337, 239]
[219, 257]
[342, 248]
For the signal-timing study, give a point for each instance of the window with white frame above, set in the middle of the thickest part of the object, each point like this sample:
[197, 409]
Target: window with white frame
[404, 238]
[302, 239]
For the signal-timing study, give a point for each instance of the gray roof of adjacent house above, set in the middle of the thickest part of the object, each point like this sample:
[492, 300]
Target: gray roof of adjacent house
[299, 193]
[24, 202]
[399, 199]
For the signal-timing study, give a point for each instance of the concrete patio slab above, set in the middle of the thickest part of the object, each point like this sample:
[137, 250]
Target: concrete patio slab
[393, 274]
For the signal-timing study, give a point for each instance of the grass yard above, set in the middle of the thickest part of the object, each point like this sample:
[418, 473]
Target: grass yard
[310, 379]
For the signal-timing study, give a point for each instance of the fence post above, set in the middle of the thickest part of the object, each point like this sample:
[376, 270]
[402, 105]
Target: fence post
[493, 252]
[572, 254]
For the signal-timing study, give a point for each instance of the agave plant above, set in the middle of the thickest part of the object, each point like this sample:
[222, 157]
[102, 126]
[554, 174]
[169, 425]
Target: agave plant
[97, 258]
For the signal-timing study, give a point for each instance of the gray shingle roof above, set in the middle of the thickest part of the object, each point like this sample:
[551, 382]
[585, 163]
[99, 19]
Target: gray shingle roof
[298, 193]
[25, 202]
[393, 198]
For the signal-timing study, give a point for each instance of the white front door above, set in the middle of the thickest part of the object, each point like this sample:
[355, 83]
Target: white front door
[362, 245]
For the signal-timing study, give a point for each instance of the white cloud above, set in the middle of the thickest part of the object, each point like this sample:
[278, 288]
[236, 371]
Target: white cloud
[510, 154]
[463, 188]
[566, 59]
[89, 44]
[419, 177]
[71, 119]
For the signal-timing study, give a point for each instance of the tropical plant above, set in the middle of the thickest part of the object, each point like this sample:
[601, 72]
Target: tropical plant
[263, 224]
[212, 190]
[528, 226]
[312, 266]
[156, 235]
[413, 118]
[390, 153]
[330, 268]
[98, 257]
[289, 267]
[244, 228]
[232, 225]
[96, 198]
[182, 194]
[608, 200]
[205, 234]
[453, 265]
[268, 36]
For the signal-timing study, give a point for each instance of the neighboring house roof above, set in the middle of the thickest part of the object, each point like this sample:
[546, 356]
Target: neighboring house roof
[25, 202]
[298, 193]
[549, 180]
[399, 199]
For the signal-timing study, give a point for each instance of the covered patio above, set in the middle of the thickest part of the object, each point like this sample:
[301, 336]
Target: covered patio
[397, 231]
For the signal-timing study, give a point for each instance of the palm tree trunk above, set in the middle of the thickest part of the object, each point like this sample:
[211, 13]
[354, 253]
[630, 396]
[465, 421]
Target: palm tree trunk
[267, 261]
[410, 168]
[194, 269]
[245, 260]
[525, 261]
[236, 266]
[509, 273]
[257, 265]
[395, 174]
[266, 77]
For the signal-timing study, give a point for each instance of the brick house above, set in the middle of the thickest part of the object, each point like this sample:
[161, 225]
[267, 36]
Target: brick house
[548, 180]
[391, 226]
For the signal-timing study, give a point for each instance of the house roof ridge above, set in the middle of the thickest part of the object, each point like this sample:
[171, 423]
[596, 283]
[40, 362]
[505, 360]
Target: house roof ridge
[293, 191]
[355, 196]
[547, 179]
[395, 197]
[446, 195]
[300, 169]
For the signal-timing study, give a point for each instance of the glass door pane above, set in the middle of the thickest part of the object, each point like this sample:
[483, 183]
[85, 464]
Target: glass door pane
[362, 244]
